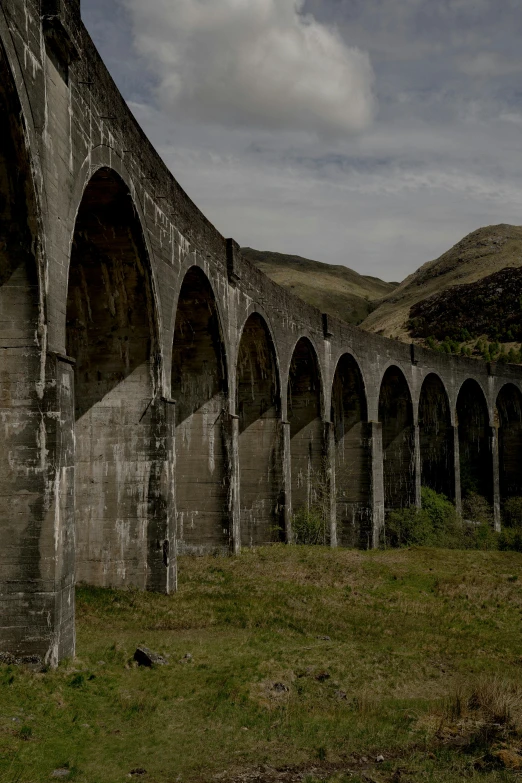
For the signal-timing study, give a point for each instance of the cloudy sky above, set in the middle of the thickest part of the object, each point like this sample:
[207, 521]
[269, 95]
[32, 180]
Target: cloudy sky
[370, 133]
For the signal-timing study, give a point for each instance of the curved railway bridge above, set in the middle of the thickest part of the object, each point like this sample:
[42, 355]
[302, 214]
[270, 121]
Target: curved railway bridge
[159, 394]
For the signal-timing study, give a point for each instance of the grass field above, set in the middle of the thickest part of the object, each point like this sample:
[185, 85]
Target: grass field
[307, 664]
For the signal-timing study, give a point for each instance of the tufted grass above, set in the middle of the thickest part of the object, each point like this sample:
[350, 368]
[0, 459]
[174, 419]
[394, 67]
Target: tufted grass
[412, 633]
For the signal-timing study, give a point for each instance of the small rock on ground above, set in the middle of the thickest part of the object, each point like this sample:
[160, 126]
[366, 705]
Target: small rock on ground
[145, 657]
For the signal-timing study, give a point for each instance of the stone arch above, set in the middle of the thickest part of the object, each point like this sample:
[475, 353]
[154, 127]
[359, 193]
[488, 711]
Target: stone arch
[105, 158]
[111, 333]
[19, 224]
[307, 441]
[349, 416]
[436, 437]
[476, 465]
[398, 439]
[200, 389]
[509, 418]
[258, 406]
[24, 465]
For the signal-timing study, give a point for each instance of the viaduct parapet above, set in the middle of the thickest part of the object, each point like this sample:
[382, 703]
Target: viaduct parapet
[158, 393]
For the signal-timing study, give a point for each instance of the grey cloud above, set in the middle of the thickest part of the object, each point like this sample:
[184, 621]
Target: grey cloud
[255, 63]
[443, 156]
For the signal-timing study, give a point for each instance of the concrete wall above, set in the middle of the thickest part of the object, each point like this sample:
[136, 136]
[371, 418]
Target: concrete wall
[159, 392]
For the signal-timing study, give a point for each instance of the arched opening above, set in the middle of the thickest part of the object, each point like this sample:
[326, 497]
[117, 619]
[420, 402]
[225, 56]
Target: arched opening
[111, 335]
[398, 440]
[509, 410]
[23, 463]
[476, 466]
[307, 446]
[436, 438]
[260, 442]
[199, 386]
[352, 455]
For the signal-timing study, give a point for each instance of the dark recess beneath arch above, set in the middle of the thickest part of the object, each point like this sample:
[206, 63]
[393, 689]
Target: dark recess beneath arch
[199, 386]
[476, 466]
[436, 438]
[260, 436]
[23, 465]
[398, 443]
[111, 335]
[307, 444]
[509, 410]
[352, 455]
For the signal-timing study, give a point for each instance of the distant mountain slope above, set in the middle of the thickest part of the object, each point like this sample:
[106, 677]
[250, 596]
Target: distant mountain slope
[406, 312]
[491, 307]
[335, 290]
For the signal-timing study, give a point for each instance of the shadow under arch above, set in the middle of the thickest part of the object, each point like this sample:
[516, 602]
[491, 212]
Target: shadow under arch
[436, 437]
[261, 490]
[476, 462]
[26, 459]
[398, 439]
[509, 413]
[349, 416]
[307, 437]
[112, 335]
[199, 385]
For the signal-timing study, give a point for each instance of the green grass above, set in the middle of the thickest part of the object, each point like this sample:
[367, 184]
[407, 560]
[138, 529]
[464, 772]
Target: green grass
[410, 632]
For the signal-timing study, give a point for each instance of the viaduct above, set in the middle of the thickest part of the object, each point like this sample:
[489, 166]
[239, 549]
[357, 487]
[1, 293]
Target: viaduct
[158, 393]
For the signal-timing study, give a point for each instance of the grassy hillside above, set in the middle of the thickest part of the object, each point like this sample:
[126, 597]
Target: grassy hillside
[479, 255]
[336, 290]
[307, 664]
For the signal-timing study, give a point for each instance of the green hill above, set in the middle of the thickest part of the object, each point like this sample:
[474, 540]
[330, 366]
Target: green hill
[460, 286]
[336, 290]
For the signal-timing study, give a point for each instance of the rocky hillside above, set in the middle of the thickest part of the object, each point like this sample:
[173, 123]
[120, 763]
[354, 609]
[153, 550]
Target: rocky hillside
[491, 307]
[335, 290]
[463, 295]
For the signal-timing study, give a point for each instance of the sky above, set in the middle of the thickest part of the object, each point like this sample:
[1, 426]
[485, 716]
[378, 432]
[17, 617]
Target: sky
[369, 133]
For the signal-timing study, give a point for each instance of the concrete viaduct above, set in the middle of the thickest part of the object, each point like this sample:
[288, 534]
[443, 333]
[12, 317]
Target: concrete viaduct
[159, 394]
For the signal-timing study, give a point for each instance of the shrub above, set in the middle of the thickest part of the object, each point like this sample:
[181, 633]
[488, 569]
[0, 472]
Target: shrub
[510, 540]
[408, 526]
[437, 506]
[438, 524]
[512, 512]
[309, 526]
[481, 536]
[435, 524]
[447, 525]
[476, 509]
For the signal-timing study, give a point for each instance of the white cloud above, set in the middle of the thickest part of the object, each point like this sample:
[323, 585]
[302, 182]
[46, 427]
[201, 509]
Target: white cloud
[253, 63]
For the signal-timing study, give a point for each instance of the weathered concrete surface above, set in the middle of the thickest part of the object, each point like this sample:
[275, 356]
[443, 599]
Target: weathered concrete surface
[157, 391]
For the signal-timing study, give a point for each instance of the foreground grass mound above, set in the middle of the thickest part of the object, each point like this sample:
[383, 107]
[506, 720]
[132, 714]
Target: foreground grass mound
[286, 663]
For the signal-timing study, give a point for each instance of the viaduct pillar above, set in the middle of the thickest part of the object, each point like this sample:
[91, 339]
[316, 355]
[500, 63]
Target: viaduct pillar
[331, 482]
[496, 476]
[287, 482]
[377, 481]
